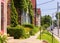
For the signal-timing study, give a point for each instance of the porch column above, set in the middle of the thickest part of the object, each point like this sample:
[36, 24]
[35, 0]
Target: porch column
[0, 15]
[5, 16]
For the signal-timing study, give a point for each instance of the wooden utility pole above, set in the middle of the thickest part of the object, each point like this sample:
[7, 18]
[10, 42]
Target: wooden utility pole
[58, 17]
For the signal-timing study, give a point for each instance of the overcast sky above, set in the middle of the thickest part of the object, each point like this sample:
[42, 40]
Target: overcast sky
[45, 8]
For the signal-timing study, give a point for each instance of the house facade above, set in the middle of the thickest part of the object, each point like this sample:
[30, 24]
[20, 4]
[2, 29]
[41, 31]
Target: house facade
[37, 13]
[25, 18]
[38, 17]
[8, 11]
[3, 16]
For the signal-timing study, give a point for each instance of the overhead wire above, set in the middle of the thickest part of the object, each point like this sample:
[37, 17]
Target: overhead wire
[45, 2]
[49, 9]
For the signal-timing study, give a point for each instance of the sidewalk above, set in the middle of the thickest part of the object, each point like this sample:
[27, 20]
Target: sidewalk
[32, 39]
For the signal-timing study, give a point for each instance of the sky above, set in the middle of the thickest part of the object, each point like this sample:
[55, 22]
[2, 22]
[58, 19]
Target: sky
[48, 8]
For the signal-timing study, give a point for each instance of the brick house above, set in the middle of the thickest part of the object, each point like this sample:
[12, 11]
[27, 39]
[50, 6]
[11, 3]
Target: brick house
[22, 19]
[3, 16]
[38, 17]
[37, 12]
[8, 11]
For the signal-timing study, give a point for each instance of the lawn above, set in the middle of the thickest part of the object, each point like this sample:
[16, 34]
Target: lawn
[48, 37]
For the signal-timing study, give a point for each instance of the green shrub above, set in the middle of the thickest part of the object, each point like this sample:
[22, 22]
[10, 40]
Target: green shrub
[17, 32]
[34, 31]
[27, 36]
[45, 26]
[3, 38]
[10, 30]
[29, 25]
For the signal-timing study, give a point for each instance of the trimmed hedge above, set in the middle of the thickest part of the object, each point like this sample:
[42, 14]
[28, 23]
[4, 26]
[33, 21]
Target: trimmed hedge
[21, 31]
[17, 32]
[33, 28]
[28, 25]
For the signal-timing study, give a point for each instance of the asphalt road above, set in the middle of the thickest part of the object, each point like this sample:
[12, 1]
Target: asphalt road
[55, 31]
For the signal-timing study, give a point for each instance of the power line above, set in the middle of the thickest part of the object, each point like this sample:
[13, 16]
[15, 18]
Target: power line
[45, 2]
[49, 9]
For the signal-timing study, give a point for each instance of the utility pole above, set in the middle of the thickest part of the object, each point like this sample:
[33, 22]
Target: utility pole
[58, 17]
[35, 11]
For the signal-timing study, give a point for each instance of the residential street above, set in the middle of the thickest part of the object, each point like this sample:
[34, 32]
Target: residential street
[55, 31]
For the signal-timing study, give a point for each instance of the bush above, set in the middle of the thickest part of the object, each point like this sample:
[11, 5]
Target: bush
[45, 26]
[10, 30]
[29, 25]
[3, 38]
[17, 32]
[34, 30]
[26, 36]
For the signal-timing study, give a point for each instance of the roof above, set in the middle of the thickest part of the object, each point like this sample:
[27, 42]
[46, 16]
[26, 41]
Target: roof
[33, 3]
[38, 11]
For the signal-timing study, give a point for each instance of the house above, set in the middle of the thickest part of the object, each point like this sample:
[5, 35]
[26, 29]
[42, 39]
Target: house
[38, 17]
[37, 13]
[22, 18]
[3, 16]
[8, 11]
[25, 18]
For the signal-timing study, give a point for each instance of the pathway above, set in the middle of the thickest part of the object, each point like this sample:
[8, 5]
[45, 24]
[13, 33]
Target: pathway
[32, 39]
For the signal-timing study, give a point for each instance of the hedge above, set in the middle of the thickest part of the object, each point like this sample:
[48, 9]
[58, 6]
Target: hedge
[33, 28]
[17, 32]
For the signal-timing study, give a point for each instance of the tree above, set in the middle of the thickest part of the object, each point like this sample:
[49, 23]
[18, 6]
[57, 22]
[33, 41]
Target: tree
[14, 15]
[57, 15]
[46, 20]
